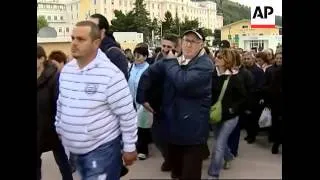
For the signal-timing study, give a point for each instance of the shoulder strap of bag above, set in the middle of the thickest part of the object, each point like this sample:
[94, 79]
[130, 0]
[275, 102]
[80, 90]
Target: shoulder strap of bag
[130, 68]
[224, 87]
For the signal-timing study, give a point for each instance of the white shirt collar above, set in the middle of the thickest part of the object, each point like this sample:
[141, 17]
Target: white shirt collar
[227, 72]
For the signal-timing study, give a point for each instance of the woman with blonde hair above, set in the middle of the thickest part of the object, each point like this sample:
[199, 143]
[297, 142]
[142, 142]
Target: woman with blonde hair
[232, 100]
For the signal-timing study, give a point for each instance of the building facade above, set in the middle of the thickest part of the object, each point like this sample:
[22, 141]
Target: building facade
[56, 14]
[73, 9]
[204, 11]
[240, 34]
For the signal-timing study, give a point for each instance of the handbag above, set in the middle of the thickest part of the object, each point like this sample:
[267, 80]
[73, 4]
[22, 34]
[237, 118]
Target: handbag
[216, 109]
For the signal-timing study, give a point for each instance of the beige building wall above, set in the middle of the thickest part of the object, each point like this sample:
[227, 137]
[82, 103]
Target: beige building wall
[204, 11]
[53, 44]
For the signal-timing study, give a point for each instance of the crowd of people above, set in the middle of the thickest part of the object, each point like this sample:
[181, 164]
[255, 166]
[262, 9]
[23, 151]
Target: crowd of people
[99, 111]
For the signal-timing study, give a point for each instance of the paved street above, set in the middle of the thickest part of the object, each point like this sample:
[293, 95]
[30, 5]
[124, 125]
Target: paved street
[255, 161]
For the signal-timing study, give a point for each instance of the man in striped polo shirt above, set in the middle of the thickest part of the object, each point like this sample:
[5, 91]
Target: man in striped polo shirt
[95, 109]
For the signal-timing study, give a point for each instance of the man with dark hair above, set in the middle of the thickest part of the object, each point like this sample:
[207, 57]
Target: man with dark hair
[95, 116]
[169, 42]
[108, 44]
[251, 124]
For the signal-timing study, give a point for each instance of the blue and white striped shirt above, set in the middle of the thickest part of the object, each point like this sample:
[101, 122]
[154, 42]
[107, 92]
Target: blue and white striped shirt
[94, 106]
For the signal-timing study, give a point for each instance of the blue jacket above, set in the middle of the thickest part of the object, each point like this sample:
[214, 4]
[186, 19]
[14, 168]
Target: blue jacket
[116, 56]
[186, 99]
[134, 78]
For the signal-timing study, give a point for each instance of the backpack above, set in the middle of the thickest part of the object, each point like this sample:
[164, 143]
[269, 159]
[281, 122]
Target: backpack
[216, 109]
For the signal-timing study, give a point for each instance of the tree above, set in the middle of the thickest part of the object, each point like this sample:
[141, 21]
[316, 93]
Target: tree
[188, 25]
[217, 37]
[141, 20]
[207, 32]
[176, 25]
[155, 26]
[123, 22]
[41, 22]
[167, 24]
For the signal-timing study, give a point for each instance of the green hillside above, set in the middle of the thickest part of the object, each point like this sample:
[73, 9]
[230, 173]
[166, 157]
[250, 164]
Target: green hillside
[233, 12]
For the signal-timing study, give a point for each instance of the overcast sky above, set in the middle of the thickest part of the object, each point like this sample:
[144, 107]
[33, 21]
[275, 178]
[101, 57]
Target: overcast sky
[277, 5]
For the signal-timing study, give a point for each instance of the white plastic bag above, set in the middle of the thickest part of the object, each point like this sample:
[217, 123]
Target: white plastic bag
[265, 118]
[145, 118]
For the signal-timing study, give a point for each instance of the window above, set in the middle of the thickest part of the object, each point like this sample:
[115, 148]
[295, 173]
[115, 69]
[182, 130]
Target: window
[182, 8]
[67, 29]
[169, 6]
[243, 34]
[152, 6]
[60, 29]
[105, 1]
[158, 6]
[120, 2]
[261, 34]
[77, 6]
[55, 18]
[105, 10]
[112, 2]
[95, 11]
[71, 8]
[94, 2]
[72, 16]
[49, 18]
[61, 18]
[245, 27]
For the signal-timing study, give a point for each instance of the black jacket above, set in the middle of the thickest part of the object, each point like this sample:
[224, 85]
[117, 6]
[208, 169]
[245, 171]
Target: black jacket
[259, 80]
[116, 56]
[47, 94]
[247, 80]
[273, 91]
[234, 97]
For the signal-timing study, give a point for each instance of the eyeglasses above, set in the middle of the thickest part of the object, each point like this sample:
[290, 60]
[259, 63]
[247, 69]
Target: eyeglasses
[191, 41]
[164, 46]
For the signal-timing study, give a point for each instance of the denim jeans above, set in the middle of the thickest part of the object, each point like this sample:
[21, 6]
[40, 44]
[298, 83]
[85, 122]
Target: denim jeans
[103, 163]
[234, 139]
[221, 151]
